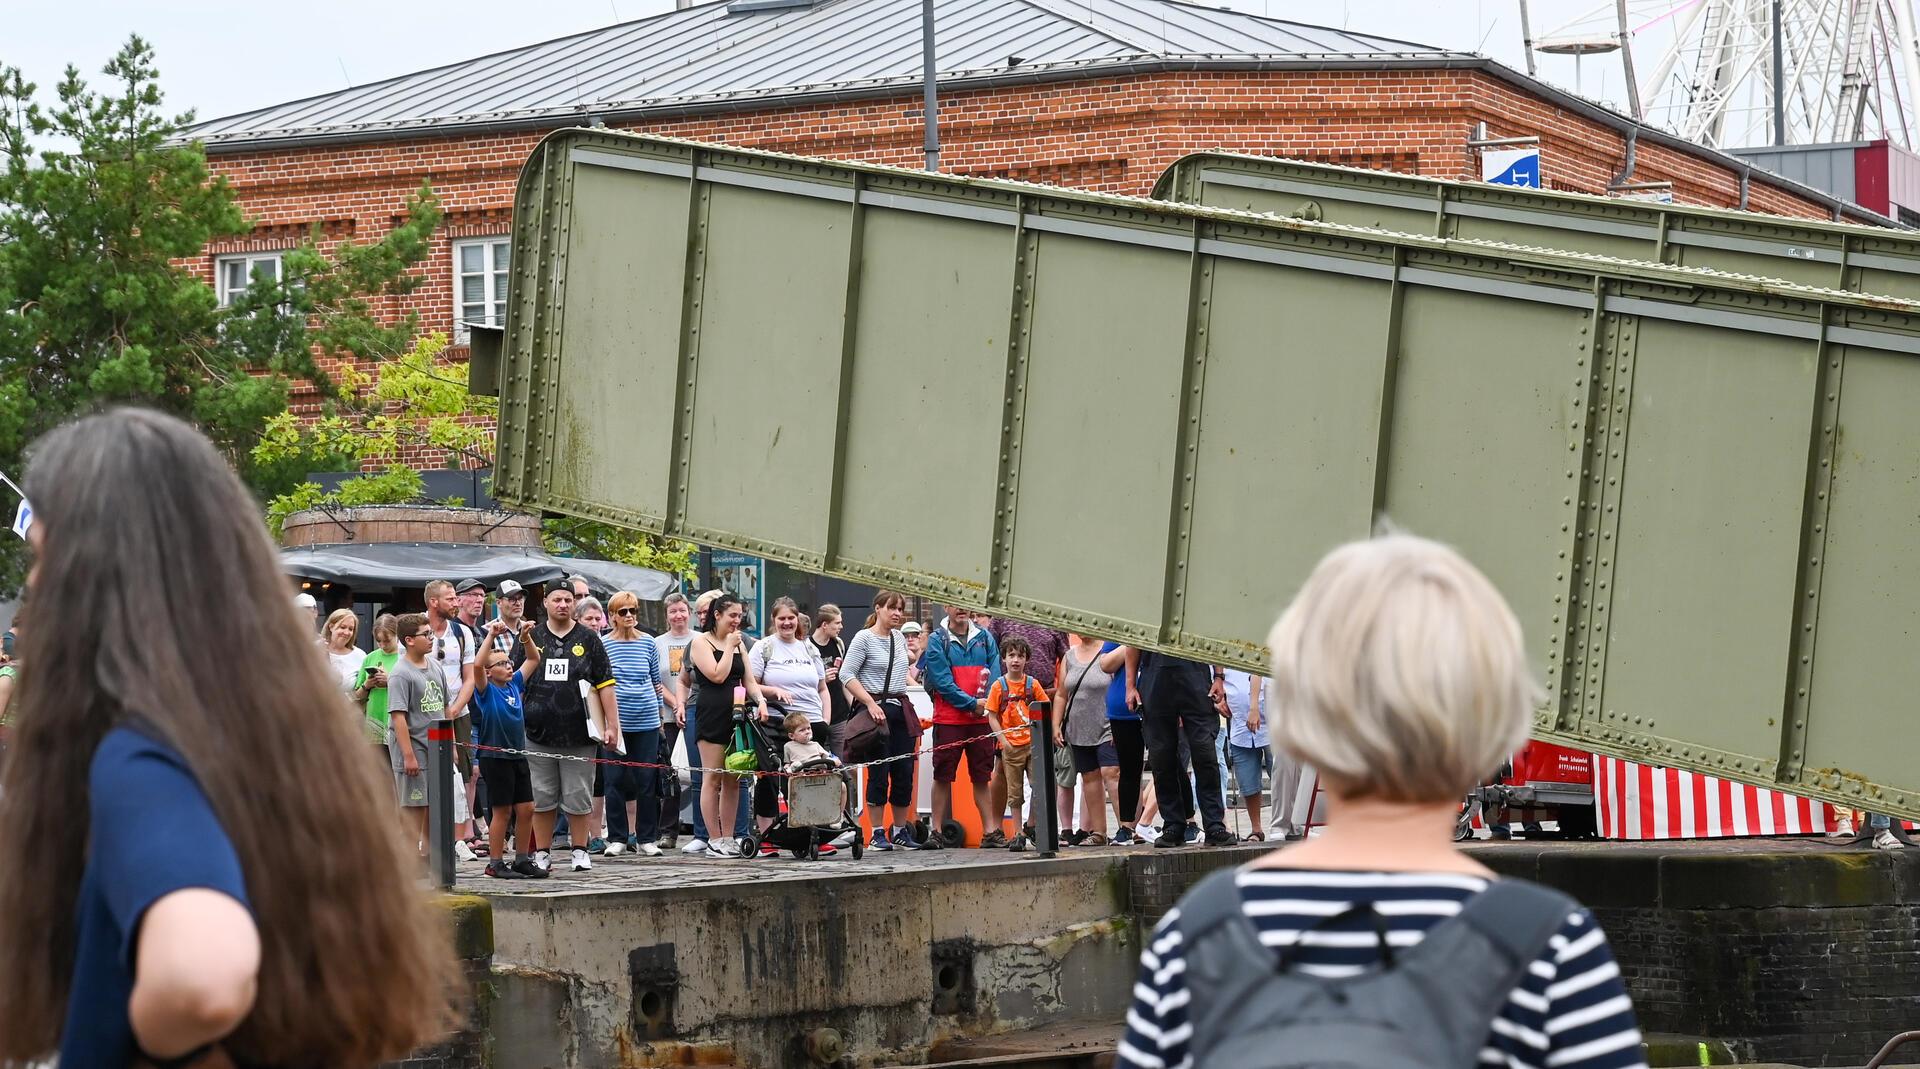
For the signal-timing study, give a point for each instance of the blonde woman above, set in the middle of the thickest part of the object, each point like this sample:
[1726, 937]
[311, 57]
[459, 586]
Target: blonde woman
[342, 628]
[1398, 673]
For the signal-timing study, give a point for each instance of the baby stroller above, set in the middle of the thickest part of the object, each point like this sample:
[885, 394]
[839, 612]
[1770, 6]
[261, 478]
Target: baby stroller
[819, 808]
[819, 795]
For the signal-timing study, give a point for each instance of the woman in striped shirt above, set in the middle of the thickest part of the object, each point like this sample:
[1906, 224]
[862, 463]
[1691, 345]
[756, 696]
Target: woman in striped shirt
[1399, 674]
[875, 674]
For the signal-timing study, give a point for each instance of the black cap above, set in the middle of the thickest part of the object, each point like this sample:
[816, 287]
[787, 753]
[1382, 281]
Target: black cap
[469, 584]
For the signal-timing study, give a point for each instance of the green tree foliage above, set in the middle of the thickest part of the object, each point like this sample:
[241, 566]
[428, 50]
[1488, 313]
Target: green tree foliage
[101, 205]
[422, 400]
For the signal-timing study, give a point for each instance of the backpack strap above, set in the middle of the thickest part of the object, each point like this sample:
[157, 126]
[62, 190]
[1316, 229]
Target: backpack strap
[1518, 917]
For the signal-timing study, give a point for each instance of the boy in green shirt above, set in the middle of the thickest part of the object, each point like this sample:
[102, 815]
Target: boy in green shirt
[371, 687]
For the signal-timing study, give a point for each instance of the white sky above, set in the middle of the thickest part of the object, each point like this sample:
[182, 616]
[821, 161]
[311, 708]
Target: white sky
[224, 56]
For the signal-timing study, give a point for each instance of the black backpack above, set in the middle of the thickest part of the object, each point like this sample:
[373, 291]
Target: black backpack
[1429, 1006]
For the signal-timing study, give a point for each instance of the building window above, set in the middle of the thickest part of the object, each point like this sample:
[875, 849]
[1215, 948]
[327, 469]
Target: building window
[233, 274]
[479, 285]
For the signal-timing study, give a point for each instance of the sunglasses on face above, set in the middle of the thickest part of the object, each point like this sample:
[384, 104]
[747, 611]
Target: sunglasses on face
[626, 612]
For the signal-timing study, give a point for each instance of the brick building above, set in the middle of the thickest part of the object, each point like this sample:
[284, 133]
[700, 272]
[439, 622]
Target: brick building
[1100, 94]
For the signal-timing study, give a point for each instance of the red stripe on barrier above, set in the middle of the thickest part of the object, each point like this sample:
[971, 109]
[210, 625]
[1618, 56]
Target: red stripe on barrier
[439, 734]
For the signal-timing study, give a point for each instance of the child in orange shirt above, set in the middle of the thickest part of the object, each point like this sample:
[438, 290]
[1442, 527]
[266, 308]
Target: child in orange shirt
[1009, 713]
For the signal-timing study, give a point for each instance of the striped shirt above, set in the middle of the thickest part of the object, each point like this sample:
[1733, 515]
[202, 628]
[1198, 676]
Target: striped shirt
[636, 668]
[1570, 1012]
[867, 662]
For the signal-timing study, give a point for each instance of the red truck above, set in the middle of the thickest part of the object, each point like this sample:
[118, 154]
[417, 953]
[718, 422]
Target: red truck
[1542, 782]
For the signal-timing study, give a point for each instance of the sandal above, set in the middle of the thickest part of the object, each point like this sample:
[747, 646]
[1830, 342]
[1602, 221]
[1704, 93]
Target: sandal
[1255, 837]
[1093, 839]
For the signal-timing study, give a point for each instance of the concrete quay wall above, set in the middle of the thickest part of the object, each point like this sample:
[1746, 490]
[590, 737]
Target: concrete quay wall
[794, 973]
[1789, 951]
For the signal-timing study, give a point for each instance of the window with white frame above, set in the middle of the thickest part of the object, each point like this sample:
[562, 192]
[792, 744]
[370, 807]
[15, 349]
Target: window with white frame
[479, 285]
[233, 274]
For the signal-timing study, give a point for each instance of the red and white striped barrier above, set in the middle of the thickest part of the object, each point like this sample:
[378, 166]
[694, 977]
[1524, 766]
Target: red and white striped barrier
[1641, 802]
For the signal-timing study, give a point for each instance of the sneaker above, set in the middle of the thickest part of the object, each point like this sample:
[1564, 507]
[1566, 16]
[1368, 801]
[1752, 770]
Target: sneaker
[697, 847]
[903, 839]
[1222, 837]
[1843, 828]
[1124, 837]
[730, 847]
[1884, 840]
[616, 848]
[993, 840]
[668, 842]
[1193, 833]
[596, 845]
[1018, 845]
[1170, 839]
[526, 867]
[716, 848]
[582, 861]
[845, 839]
[500, 870]
[826, 850]
[542, 861]
[767, 849]
[880, 840]
[463, 852]
[648, 850]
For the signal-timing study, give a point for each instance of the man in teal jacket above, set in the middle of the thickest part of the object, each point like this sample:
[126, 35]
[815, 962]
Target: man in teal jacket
[962, 660]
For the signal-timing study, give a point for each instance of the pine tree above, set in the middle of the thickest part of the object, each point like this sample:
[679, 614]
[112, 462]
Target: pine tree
[98, 307]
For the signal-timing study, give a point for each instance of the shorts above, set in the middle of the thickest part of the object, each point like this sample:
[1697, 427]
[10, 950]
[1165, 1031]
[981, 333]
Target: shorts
[463, 740]
[1088, 760]
[1016, 767]
[559, 783]
[412, 790]
[508, 781]
[1248, 763]
[978, 746]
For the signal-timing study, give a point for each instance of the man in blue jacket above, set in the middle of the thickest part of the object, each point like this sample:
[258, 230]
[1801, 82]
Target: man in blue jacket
[962, 660]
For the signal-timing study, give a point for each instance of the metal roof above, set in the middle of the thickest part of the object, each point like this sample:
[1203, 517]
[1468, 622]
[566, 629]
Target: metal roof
[708, 56]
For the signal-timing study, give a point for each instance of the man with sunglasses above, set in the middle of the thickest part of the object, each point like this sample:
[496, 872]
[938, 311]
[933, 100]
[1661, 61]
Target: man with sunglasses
[454, 650]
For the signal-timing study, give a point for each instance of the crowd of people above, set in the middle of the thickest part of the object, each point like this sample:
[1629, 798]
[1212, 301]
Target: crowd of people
[566, 723]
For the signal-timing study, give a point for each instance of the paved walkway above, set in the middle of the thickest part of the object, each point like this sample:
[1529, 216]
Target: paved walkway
[674, 869]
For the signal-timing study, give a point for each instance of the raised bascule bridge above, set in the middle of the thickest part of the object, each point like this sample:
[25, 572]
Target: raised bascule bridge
[1679, 440]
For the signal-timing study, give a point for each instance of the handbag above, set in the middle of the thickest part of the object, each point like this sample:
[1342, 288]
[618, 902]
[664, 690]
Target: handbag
[863, 733]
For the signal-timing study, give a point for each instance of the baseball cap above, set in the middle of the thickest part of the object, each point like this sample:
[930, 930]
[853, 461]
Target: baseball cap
[911, 627]
[305, 601]
[469, 584]
[509, 589]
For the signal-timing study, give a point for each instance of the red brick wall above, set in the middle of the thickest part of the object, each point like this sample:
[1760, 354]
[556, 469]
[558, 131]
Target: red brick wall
[1109, 134]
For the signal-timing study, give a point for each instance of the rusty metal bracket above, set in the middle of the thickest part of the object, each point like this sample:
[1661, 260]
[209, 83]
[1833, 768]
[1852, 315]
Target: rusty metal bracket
[1893, 1044]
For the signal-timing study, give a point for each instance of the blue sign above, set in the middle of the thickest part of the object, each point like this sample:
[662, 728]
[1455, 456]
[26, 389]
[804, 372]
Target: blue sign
[1511, 167]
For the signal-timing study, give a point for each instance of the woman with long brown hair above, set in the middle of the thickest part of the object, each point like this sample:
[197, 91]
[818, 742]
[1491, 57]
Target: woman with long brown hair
[202, 928]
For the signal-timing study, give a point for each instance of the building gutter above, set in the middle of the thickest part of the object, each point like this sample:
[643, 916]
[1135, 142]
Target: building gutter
[550, 119]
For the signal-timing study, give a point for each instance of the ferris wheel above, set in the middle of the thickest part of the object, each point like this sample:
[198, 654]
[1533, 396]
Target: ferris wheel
[1706, 68]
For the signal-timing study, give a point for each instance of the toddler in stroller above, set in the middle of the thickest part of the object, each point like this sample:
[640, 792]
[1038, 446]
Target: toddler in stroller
[819, 794]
